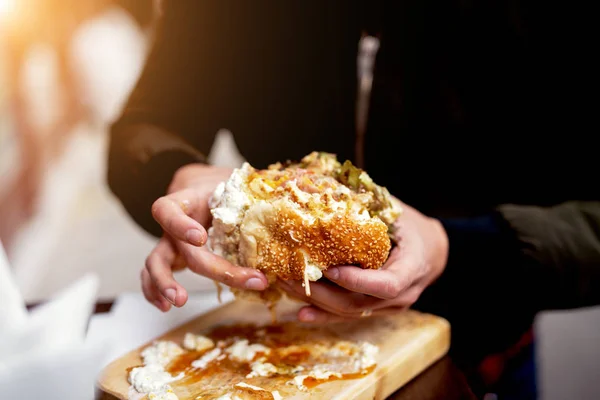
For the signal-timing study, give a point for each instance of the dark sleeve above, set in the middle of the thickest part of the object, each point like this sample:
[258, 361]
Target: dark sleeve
[505, 267]
[563, 242]
[174, 111]
[141, 163]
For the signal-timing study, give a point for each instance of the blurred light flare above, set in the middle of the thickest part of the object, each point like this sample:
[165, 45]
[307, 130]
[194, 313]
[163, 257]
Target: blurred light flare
[7, 7]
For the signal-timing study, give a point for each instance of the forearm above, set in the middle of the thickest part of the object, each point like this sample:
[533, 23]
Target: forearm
[142, 161]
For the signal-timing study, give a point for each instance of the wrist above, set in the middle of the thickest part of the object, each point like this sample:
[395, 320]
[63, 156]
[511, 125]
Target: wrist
[185, 175]
[441, 248]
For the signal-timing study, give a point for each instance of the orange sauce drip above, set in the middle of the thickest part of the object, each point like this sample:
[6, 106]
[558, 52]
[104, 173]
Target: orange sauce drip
[183, 362]
[273, 312]
[312, 382]
[219, 291]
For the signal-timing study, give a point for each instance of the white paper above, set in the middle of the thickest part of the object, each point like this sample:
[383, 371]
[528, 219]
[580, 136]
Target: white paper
[43, 354]
[65, 374]
[60, 323]
[134, 306]
[133, 321]
[567, 352]
[13, 312]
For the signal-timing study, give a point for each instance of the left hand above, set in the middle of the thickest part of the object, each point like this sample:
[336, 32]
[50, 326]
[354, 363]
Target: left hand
[185, 218]
[353, 292]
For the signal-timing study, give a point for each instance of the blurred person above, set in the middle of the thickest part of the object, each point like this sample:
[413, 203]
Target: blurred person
[478, 122]
[26, 24]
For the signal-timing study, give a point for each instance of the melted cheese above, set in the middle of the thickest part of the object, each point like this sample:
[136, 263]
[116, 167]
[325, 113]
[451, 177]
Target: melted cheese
[231, 198]
[312, 272]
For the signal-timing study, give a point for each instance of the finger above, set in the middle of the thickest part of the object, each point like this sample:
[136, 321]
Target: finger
[158, 265]
[381, 283]
[173, 213]
[410, 296]
[316, 315]
[151, 292]
[179, 263]
[394, 278]
[334, 299]
[218, 269]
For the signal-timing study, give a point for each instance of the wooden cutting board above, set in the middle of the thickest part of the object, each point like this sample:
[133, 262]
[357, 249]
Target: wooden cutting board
[409, 342]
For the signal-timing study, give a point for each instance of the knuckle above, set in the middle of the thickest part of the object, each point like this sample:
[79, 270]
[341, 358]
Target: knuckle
[147, 293]
[411, 297]
[352, 279]
[228, 278]
[152, 265]
[148, 263]
[392, 288]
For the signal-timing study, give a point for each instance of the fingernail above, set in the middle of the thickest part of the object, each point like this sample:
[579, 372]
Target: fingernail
[171, 294]
[308, 316]
[194, 236]
[332, 273]
[255, 284]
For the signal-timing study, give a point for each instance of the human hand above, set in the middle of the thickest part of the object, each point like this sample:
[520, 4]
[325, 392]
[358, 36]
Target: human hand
[353, 292]
[185, 216]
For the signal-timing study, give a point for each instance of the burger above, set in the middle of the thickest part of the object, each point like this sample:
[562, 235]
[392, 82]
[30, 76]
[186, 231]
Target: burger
[293, 220]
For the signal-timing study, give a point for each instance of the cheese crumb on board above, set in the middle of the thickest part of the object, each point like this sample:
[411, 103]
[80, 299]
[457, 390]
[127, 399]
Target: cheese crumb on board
[197, 342]
[207, 358]
[260, 368]
[152, 378]
[367, 356]
[161, 353]
[243, 385]
[244, 352]
[320, 373]
[276, 395]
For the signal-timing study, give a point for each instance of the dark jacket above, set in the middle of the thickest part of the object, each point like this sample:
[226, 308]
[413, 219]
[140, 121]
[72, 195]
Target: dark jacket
[474, 105]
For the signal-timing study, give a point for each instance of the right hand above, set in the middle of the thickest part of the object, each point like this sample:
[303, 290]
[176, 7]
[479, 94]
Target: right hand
[185, 217]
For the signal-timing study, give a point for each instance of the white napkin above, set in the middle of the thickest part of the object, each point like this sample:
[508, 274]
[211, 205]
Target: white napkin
[133, 321]
[43, 354]
[12, 307]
